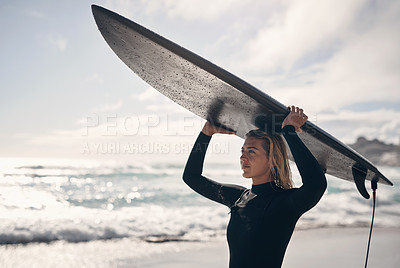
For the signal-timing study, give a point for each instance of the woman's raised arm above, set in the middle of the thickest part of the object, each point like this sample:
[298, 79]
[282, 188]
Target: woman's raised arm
[313, 178]
[222, 193]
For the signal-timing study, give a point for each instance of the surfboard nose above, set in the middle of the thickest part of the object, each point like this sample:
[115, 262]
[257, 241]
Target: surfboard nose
[100, 14]
[96, 9]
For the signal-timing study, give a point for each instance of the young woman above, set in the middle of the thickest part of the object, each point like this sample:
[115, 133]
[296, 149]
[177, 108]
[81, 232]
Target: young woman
[263, 217]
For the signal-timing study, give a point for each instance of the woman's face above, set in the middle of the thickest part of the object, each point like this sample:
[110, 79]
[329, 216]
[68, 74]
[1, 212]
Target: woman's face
[254, 161]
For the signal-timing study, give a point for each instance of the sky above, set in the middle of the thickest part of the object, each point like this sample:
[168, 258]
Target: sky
[64, 93]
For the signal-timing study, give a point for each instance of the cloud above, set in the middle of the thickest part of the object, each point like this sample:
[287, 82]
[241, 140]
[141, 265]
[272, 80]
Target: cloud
[149, 94]
[56, 41]
[158, 103]
[94, 78]
[59, 42]
[383, 124]
[366, 68]
[113, 106]
[303, 28]
[161, 136]
[100, 135]
[321, 54]
[108, 107]
[204, 10]
[200, 10]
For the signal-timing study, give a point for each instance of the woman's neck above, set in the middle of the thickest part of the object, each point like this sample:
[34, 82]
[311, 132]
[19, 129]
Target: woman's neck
[258, 181]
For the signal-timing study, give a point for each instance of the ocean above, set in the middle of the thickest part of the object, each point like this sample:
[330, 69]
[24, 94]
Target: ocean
[52, 200]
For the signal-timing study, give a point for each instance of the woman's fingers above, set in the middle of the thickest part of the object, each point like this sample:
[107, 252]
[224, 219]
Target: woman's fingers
[296, 117]
[298, 111]
[223, 130]
[210, 129]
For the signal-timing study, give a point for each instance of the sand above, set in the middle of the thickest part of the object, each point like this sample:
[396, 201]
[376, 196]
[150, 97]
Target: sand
[334, 247]
[344, 247]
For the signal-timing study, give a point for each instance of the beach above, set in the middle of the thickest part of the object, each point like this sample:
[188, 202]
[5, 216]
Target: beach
[325, 247]
[67, 213]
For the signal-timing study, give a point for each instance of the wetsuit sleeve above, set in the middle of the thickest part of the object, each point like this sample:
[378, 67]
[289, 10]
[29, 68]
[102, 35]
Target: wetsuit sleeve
[314, 181]
[222, 193]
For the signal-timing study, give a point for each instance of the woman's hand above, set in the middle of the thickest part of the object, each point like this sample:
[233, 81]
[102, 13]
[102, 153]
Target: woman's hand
[209, 129]
[296, 118]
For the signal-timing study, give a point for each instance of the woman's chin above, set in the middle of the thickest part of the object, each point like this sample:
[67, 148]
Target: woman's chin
[244, 175]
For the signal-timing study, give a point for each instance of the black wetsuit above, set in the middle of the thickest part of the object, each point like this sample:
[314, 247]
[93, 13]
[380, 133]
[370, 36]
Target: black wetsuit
[263, 217]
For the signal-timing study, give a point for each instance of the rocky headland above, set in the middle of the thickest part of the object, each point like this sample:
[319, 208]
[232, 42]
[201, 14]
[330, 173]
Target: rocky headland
[378, 152]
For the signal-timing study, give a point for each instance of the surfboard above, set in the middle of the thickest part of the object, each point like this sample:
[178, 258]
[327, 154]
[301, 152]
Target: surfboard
[221, 97]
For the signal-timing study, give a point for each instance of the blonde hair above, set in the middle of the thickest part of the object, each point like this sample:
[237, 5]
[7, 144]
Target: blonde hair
[277, 157]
